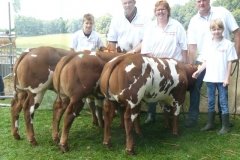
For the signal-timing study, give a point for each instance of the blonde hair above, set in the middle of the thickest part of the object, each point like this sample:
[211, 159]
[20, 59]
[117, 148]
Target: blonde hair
[88, 17]
[216, 23]
[165, 4]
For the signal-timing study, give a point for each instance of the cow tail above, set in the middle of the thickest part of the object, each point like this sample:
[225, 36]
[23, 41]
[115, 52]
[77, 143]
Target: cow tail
[64, 61]
[15, 69]
[108, 69]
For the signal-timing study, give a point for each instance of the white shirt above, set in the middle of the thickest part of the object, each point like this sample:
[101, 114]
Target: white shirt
[80, 42]
[199, 30]
[126, 34]
[217, 55]
[168, 42]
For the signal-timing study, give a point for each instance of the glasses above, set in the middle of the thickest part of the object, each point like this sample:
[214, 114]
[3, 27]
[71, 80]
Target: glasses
[161, 9]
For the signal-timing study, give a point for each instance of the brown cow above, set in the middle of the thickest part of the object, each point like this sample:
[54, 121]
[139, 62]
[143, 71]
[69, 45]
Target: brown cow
[75, 78]
[131, 78]
[33, 73]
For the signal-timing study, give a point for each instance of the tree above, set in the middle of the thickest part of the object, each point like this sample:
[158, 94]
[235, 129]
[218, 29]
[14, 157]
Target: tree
[103, 23]
[233, 6]
[184, 13]
[17, 6]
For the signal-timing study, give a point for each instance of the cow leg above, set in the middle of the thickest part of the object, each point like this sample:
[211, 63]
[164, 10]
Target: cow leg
[96, 109]
[58, 110]
[99, 116]
[108, 113]
[32, 103]
[175, 130]
[167, 113]
[28, 112]
[137, 123]
[128, 129]
[71, 112]
[91, 104]
[16, 107]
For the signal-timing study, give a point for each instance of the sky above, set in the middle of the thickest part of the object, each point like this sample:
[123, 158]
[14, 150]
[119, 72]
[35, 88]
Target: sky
[69, 9]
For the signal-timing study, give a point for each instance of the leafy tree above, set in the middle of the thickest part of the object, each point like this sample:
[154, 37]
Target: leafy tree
[184, 13]
[102, 23]
[17, 5]
[233, 6]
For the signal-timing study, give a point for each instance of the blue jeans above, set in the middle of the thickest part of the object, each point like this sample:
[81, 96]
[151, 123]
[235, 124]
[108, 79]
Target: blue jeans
[1, 86]
[222, 94]
[152, 108]
[193, 112]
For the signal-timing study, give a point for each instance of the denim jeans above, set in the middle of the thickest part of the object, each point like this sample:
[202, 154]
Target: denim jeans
[193, 112]
[152, 108]
[222, 94]
[1, 86]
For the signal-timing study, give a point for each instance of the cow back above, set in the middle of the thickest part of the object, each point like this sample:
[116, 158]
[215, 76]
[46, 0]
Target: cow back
[33, 68]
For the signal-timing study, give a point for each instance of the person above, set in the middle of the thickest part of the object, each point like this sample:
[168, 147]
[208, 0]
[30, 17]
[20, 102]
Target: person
[164, 37]
[86, 38]
[198, 31]
[1, 86]
[217, 60]
[126, 31]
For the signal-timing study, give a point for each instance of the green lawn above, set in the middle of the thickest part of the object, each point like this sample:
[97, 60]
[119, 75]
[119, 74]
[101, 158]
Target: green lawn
[85, 140]
[54, 40]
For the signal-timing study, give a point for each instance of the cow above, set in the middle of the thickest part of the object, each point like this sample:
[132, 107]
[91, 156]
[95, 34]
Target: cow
[132, 78]
[32, 73]
[76, 78]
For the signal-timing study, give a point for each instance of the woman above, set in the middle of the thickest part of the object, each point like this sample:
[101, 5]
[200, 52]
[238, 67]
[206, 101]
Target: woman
[164, 37]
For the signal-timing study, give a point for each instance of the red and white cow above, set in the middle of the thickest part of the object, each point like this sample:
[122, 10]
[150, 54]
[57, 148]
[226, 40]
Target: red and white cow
[75, 78]
[33, 73]
[131, 78]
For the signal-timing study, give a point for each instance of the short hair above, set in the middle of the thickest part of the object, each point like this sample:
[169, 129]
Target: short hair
[216, 23]
[165, 4]
[88, 17]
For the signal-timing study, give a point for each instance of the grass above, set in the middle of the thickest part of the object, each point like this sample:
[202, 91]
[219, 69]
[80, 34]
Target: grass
[85, 140]
[54, 40]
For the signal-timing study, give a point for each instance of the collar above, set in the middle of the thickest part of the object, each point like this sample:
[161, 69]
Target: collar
[206, 17]
[133, 15]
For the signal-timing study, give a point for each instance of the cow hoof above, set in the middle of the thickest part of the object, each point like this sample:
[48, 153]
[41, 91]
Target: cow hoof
[130, 152]
[33, 142]
[64, 148]
[56, 140]
[17, 136]
[108, 145]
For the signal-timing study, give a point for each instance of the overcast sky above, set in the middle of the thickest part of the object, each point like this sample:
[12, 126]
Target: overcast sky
[68, 9]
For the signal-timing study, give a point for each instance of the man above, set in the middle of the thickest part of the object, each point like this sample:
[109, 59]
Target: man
[198, 33]
[126, 31]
